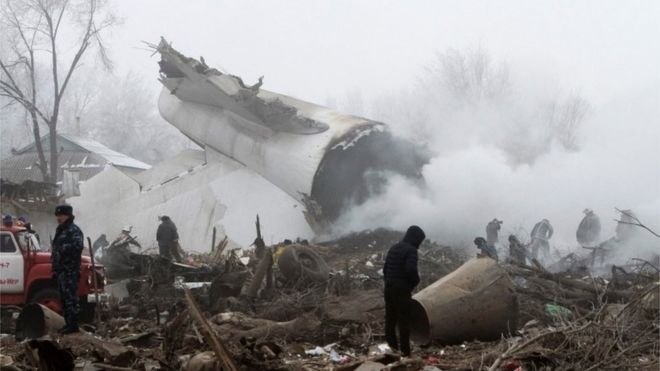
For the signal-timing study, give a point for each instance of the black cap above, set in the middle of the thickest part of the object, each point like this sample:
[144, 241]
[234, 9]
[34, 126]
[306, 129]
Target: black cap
[64, 209]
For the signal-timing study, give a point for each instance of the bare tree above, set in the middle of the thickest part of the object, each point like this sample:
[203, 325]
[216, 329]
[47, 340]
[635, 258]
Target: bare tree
[469, 77]
[571, 116]
[32, 34]
[121, 112]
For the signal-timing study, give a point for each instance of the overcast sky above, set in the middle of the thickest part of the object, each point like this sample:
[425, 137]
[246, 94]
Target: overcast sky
[314, 49]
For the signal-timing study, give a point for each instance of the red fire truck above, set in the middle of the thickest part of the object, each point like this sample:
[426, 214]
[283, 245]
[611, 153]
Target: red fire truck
[26, 275]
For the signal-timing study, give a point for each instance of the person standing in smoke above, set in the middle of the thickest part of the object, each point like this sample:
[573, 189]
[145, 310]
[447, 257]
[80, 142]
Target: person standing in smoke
[486, 249]
[541, 233]
[492, 232]
[401, 277]
[100, 244]
[168, 239]
[588, 232]
[125, 238]
[517, 252]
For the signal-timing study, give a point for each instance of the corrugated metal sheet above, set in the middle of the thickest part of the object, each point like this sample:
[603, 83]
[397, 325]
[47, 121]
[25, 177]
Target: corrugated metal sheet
[113, 157]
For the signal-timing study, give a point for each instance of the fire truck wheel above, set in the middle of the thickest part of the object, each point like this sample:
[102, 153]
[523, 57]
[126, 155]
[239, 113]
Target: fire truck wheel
[48, 297]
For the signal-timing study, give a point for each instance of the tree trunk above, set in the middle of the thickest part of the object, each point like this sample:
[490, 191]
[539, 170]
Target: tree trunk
[52, 130]
[43, 166]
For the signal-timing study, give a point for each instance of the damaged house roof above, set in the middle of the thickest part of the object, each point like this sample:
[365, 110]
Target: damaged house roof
[75, 153]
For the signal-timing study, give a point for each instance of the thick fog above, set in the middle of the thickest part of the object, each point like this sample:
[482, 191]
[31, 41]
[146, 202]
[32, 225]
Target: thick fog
[531, 110]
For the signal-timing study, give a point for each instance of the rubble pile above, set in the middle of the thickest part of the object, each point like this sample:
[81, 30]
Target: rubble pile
[225, 313]
[362, 255]
[572, 319]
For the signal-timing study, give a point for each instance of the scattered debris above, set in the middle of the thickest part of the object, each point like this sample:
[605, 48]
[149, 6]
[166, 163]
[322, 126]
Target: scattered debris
[475, 314]
[299, 262]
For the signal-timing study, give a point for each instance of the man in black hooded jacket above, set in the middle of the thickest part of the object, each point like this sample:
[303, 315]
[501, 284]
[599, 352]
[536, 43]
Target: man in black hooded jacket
[401, 277]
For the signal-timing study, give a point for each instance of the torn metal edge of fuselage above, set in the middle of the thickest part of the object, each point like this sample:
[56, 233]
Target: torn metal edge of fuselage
[181, 72]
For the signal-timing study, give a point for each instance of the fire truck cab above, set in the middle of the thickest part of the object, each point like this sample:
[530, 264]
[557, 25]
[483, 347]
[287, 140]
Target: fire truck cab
[26, 275]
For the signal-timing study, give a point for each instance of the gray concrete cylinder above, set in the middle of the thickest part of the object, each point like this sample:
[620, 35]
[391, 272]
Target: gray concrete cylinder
[474, 302]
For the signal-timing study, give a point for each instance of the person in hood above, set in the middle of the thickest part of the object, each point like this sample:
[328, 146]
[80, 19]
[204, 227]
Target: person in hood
[67, 248]
[401, 277]
[517, 252]
[588, 233]
[168, 239]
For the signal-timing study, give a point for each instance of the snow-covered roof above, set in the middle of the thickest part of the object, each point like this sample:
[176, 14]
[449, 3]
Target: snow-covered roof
[86, 156]
[113, 157]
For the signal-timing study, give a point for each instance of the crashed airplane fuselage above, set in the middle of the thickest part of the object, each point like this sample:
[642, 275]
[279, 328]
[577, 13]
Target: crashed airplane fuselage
[297, 164]
[323, 158]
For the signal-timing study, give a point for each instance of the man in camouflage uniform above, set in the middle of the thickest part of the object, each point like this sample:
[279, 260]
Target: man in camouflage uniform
[67, 247]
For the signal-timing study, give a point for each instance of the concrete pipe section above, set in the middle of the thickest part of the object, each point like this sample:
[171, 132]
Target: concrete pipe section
[474, 302]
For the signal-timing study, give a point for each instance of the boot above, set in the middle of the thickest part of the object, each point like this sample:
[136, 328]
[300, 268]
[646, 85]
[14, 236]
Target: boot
[63, 329]
[69, 330]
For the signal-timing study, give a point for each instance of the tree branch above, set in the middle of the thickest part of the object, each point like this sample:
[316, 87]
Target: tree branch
[637, 222]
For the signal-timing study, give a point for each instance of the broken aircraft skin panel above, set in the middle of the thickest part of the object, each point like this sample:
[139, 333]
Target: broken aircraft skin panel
[322, 158]
[199, 190]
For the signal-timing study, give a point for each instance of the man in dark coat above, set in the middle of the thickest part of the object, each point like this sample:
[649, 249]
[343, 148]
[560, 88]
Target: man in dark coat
[67, 248]
[401, 277]
[588, 233]
[100, 243]
[168, 238]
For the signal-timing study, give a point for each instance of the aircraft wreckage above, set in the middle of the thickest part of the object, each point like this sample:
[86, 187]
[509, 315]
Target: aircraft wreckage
[320, 160]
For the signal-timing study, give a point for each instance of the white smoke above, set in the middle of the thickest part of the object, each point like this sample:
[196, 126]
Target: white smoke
[477, 175]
